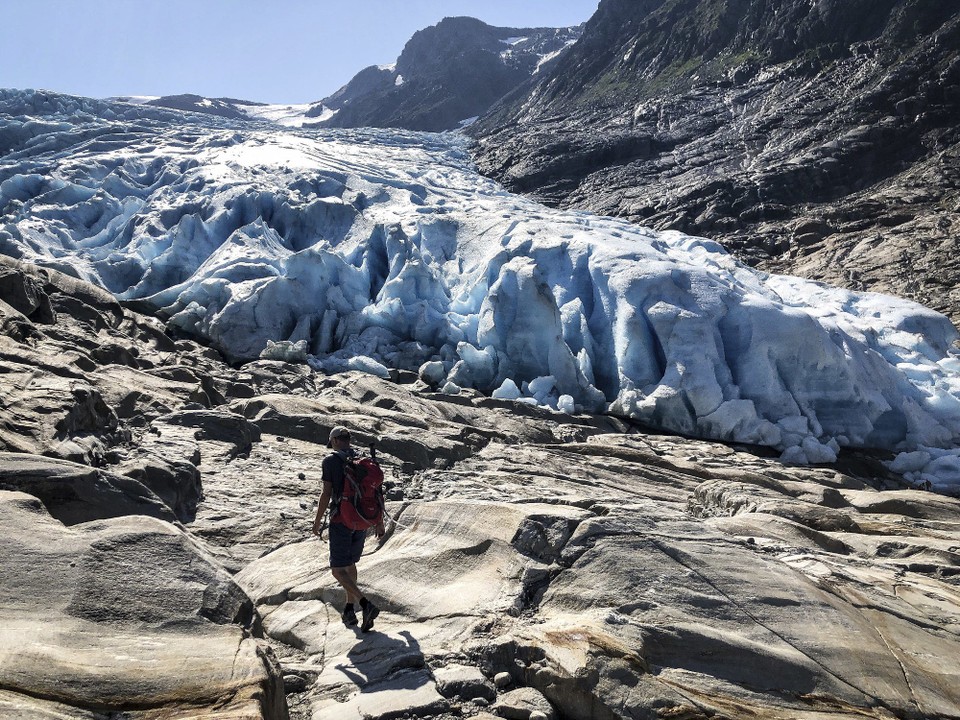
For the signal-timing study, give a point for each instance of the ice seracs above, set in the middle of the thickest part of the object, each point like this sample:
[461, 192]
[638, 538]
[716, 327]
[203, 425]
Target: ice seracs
[378, 249]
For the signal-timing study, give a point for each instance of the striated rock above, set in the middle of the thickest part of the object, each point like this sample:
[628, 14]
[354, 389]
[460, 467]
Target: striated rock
[217, 425]
[408, 694]
[463, 681]
[41, 410]
[175, 481]
[127, 615]
[24, 293]
[139, 396]
[641, 597]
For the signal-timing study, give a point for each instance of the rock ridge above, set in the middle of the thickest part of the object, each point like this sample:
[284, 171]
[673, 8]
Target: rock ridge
[446, 74]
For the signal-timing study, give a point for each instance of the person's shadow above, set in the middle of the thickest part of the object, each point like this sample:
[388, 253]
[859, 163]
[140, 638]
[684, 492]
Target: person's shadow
[378, 656]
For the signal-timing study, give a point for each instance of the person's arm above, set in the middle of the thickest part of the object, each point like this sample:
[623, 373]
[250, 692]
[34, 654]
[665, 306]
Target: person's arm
[322, 508]
[328, 469]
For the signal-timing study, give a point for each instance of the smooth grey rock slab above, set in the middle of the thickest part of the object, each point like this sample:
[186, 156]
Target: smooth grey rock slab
[410, 694]
[219, 425]
[174, 480]
[354, 659]
[300, 624]
[42, 409]
[141, 392]
[124, 614]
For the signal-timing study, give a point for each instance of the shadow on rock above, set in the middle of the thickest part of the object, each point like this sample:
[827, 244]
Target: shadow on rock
[377, 655]
[392, 679]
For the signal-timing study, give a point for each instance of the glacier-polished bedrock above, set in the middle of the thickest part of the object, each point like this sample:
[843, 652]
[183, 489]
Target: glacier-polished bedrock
[376, 249]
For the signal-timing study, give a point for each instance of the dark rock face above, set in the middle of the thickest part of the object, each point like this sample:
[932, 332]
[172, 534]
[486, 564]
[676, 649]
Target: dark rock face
[816, 139]
[74, 493]
[447, 73]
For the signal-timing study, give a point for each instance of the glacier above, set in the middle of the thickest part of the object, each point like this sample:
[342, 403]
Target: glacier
[380, 249]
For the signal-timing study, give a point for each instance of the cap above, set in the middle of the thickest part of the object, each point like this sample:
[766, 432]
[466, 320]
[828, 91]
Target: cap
[337, 432]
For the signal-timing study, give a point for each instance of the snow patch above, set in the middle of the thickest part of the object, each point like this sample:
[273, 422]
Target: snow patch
[544, 59]
[285, 115]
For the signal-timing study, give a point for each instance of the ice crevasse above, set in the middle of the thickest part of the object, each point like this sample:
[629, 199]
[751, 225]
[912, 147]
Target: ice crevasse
[375, 249]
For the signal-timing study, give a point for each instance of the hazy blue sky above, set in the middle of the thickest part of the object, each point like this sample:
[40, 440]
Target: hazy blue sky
[267, 50]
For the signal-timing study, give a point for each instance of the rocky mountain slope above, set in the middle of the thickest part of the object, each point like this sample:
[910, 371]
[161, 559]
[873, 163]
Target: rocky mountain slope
[818, 139]
[447, 73]
[156, 505]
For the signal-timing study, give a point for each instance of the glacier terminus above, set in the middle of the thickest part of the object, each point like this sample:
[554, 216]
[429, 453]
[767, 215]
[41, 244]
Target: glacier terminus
[379, 249]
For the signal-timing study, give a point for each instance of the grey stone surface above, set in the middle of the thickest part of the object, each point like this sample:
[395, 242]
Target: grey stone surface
[410, 694]
[126, 614]
[75, 493]
[463, 681]
[522, 703]
[617, 573]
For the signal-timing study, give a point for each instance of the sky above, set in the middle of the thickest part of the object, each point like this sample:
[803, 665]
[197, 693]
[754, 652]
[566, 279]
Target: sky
[276, 51]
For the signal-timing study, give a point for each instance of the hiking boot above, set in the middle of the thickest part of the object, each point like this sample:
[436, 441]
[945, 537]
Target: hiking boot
[350, 616]
[370, 611]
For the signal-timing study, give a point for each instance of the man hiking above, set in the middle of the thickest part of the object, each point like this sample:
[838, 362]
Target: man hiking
[346, 544]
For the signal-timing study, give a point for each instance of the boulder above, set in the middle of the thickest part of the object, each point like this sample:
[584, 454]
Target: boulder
[218, 425]
[463, 681]
[126, 615]
[42, 409]
[522, 704]
[24, 293]
[176, 481]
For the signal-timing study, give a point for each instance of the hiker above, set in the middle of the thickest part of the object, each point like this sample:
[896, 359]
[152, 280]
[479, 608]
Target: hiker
[346, 544]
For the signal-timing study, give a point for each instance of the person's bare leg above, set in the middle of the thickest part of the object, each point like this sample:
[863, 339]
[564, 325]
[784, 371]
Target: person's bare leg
[347, 577]
[353, 578]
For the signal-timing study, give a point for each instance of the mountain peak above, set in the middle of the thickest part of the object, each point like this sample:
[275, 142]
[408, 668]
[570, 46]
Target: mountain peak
[446, 73]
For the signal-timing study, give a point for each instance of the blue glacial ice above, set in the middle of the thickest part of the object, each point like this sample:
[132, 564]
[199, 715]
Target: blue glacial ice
[376, 249]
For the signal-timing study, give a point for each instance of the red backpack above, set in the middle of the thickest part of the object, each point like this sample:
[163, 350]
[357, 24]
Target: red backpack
[361, 505]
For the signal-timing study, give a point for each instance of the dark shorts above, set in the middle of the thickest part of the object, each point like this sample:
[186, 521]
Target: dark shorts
[346, 545]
